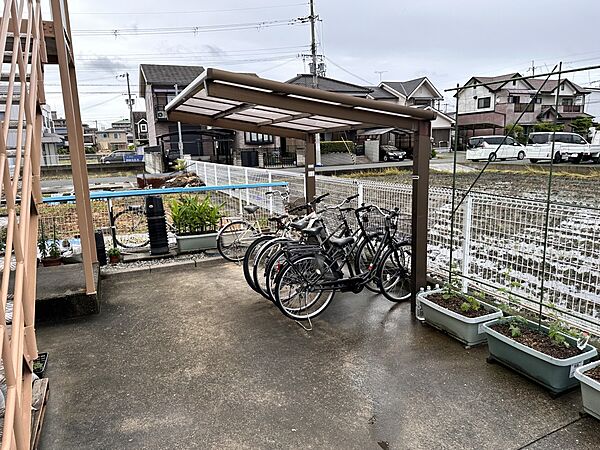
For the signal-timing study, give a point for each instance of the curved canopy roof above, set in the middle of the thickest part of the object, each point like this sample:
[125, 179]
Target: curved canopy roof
[246, 102]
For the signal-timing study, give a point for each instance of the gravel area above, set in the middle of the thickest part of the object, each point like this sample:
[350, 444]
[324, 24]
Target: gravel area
[150, 263]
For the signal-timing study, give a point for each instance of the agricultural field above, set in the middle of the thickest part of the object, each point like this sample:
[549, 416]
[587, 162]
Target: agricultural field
[530, 183]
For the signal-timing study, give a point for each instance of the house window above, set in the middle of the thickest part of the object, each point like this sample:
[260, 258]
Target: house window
[424, 102]
[514, 82]
[116, 135]
[105, 135]
[484, 102]
[258, 138]
[514, 99]
[537, 100]
[143, 128]
[562, 87]
[567, 101]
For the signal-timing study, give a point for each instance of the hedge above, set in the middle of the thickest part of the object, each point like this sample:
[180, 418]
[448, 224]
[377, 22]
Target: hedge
[337, 147]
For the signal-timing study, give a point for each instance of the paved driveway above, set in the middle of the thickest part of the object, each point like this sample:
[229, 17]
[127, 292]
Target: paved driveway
[191, 358]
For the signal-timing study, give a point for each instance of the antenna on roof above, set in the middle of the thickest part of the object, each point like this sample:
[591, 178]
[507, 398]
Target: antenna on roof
[380, 73]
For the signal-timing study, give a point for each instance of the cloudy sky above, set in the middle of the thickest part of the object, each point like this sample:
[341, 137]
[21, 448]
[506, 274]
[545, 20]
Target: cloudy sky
[448, 41]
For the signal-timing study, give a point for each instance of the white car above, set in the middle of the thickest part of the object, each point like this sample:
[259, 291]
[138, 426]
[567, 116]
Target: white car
[567, 146]
[491, 148]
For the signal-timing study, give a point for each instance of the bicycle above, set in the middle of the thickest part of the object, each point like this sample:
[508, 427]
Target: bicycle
[235, 237]
[129, 227]
[310, 276]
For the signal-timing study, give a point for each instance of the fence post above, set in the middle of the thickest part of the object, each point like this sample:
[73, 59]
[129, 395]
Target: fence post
[247, 190]
[270, 196]
[361, 194]
[216, 176]
[205, 175]
[229, 175]
[467, 222]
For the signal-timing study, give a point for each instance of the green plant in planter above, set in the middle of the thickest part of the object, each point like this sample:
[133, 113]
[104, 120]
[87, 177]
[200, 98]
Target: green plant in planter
[470, 304]
[54, 250]
[115, 252]
[192, 215]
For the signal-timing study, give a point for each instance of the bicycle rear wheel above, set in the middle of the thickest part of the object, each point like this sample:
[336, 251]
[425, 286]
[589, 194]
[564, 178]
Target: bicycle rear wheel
[250, 259]
[131, 228]
[263, 263]
[234, 239]
[364, 258]
[393, 273]
[296, 290]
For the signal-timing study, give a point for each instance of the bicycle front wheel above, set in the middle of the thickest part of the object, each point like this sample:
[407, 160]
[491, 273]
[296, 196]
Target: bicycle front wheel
[393, 273]
[296, 290]
[234, 239]
[131, 229]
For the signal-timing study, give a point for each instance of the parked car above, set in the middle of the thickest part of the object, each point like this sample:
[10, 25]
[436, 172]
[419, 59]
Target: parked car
[119, 156]
[489, 148]
[567, 146]
[391, 153]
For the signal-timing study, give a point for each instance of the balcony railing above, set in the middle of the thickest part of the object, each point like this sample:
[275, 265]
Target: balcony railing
[524, 107]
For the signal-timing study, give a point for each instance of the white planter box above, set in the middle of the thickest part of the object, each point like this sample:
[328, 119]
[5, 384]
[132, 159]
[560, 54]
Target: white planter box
[468, 330]
[590, 390]
[196, 242]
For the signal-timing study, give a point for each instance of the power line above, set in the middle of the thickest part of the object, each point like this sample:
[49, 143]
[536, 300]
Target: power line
[193, 29]
[348, 72]
[208, 52]
[136, 13]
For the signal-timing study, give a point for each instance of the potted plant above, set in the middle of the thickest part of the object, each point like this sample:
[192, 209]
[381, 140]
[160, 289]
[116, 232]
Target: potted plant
[589, 377]
[40, 363]
[196, 221]
[545, 354]
[458, 314]
[50, 253]
[114, 255]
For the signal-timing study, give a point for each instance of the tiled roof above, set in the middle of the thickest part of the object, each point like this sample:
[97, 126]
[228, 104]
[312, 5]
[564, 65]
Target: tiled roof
[378, 93]
[405, 87]
[167, 74]
[331, 85]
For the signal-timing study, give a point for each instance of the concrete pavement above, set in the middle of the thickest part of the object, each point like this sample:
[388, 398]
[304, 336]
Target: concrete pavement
[191, 358]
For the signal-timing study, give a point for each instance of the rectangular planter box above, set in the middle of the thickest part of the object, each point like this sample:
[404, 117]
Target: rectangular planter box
[196, 242]
[556, 375]
[467, 330]
[590, 390]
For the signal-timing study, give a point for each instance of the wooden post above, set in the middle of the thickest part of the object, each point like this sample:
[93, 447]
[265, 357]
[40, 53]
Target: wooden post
[420, 201]
[76, 147]
[309, 168]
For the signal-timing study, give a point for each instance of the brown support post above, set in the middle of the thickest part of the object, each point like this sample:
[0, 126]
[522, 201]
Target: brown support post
[309, 168]
[420, 200]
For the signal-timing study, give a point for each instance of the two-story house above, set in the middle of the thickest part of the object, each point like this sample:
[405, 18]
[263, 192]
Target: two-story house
[141, 127]
[486, 105]
[111, 140]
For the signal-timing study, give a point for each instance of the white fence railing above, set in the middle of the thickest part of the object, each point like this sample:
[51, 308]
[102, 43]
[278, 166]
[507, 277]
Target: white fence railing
[498, 241]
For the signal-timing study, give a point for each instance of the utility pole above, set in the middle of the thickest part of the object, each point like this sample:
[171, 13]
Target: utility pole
[313, 44]
[130, 103]
[179, 128]
[533, 67]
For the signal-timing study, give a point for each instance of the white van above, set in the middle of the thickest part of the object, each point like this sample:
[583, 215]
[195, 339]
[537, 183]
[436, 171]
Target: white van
[482, 148]
[567, 146]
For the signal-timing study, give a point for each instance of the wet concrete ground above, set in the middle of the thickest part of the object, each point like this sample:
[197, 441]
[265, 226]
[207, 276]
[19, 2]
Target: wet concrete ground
[190, 357]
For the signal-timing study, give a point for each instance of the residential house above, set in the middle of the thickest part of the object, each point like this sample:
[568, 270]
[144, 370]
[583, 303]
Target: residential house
[486, 105]
[89, 138]
[141, 127]
[111, 140]
[51, 141]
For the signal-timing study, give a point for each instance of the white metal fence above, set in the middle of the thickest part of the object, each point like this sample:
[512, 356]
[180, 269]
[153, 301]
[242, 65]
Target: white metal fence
[498, 241]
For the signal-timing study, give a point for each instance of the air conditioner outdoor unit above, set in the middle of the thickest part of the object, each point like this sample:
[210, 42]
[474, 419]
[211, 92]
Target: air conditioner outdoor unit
[161, 115]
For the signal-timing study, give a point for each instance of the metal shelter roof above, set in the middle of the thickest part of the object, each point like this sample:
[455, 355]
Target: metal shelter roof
[246, 102]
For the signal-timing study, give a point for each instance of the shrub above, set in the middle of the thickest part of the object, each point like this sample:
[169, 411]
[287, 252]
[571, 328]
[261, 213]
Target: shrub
[517, 132]
[548, 126]
[191, 215]
[337, 147]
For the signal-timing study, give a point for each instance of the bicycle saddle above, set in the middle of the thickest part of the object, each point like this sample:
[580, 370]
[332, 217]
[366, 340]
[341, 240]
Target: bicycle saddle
[341, 242]
[314, 231]
[277, 218]
[251, 209]
[299, 224]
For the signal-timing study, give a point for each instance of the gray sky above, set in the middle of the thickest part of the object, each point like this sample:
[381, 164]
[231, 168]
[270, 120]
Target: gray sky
[448, 41]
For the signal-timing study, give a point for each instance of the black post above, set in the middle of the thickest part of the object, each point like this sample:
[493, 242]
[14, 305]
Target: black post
[420, 204]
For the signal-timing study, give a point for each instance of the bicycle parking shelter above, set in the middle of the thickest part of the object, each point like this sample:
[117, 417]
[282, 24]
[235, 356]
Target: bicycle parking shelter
[246, 102]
